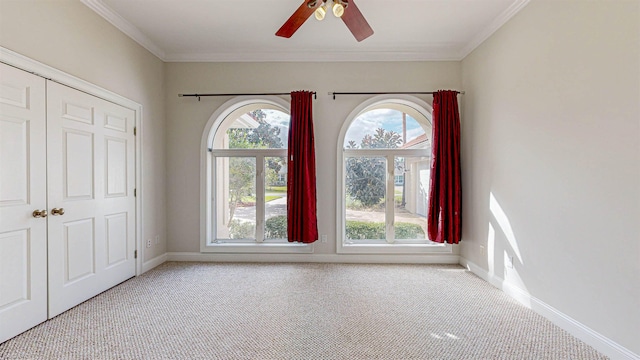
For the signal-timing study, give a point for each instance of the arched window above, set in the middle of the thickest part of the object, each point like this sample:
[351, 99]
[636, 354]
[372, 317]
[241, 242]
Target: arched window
[244, 176]
[384, 151]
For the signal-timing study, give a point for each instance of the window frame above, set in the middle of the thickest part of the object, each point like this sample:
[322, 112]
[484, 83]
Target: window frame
[343, 246]
[208, 241]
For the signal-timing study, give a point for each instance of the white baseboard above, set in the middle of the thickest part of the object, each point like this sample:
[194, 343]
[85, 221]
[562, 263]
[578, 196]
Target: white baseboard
[150, 264]
[601, 343]
[316, 258]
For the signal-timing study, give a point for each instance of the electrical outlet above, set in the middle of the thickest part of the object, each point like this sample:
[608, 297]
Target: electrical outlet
[323, 238]
[157, 239]
[148, 243]
[509, 261]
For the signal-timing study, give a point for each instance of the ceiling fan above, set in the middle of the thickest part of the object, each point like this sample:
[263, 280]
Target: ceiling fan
[344, 9]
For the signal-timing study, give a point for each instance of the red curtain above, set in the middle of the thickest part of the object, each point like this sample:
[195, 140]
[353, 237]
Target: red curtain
[302, 224]
[445, 190]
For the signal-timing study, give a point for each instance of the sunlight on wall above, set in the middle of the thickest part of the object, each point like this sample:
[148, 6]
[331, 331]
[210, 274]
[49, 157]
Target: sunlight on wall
[505, 225]
[491, 245]
[509, 280]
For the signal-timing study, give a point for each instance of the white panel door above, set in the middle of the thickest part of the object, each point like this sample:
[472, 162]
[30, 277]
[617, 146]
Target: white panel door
[23, 238]
[91, 179]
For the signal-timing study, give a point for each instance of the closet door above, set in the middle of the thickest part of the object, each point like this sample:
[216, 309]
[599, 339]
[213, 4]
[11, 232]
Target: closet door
[23, 240]
[90, 170]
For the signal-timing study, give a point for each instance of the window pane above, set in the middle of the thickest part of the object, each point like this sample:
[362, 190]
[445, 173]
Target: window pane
[410, 197]
[385, 129]
[275, 197]
[235, 198]
[365, 197]
[257, 129]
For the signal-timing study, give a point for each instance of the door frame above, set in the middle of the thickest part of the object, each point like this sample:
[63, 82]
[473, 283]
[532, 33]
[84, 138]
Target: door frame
[37, 68]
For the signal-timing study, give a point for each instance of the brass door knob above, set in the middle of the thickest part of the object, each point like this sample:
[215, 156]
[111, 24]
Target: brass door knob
[56, 211]
[40, 213]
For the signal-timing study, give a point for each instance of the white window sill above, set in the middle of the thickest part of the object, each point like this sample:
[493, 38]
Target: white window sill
[432, 248]
[267, 248]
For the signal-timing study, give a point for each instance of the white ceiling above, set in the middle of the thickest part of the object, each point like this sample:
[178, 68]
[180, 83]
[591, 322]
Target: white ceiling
[244, 30]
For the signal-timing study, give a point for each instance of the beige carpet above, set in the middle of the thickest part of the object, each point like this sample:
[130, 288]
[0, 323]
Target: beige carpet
[299, 311]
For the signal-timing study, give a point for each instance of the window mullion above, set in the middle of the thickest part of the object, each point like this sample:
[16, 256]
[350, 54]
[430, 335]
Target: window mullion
[390, 199]
[212, 210]
[260, 203]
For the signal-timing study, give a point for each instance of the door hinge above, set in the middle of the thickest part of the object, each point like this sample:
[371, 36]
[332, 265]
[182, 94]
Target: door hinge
[135, 131]
[135, 254]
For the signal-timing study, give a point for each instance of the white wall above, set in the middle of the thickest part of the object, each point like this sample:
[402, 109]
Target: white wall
[68, 36]
[186, 119]
[552, 134]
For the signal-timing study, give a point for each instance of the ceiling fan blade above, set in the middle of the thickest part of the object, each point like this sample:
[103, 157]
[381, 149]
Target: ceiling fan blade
[298, 18]
[356, 22]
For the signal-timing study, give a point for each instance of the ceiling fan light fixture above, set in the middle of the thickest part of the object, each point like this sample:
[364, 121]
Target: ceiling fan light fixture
[338, 8]
[320, 12]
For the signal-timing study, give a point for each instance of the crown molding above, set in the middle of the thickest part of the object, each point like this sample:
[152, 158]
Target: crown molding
[506, 15]
[435, 54]
[125, 26]
[438, 52]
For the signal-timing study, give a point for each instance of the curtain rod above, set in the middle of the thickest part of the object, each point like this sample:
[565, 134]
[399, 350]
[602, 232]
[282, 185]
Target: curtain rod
[388, 93]
[239, 94]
